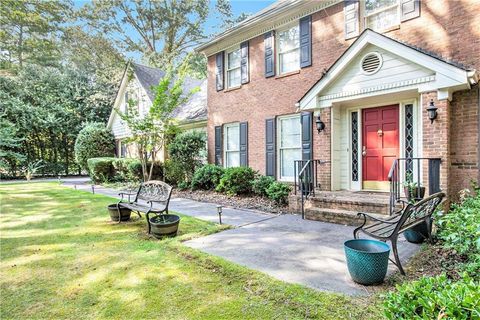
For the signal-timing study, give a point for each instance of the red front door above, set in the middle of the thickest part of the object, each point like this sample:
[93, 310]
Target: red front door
[380, 145]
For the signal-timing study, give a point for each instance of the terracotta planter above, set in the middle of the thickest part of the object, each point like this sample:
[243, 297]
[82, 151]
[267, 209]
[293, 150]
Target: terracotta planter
[124, 213]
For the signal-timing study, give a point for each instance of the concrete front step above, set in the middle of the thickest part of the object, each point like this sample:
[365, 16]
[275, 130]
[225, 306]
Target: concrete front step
[345, 217]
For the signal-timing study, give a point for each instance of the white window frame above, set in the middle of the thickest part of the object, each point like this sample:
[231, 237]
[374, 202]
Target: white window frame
[227, 70]
[366, 16]
[225, 143]
[277, 47]
[279, 148]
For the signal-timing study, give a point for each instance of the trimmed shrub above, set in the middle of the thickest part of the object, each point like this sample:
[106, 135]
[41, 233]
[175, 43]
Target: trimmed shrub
[101, 169]
[122, 169]
[207, 177]
[278, 192]
[236, 180]
[173, 172]
[261, 184]
[186, 150]
[93, 141]
[434, 298]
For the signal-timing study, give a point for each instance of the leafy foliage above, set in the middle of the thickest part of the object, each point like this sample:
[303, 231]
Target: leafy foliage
[278, 192]
[434, 298]
[10, 142]
[186, 150]
[261, 184]
[149, 131]
[49, 107]
[93, 141]
[236, 180]
[173, 172]
[207, 177]
[100, 169]
[459, 229]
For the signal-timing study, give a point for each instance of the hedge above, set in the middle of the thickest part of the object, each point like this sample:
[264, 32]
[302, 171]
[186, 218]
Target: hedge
[109, 169]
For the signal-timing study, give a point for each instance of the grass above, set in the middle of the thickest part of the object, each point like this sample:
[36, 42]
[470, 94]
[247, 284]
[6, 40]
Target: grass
[61, 257]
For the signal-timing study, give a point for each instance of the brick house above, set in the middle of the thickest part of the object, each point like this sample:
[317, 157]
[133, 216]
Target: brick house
[364, 71]
[137, 86]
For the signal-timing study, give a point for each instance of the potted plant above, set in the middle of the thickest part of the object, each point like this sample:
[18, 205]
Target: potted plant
[414, 191]
[367, 260]
[164, 225]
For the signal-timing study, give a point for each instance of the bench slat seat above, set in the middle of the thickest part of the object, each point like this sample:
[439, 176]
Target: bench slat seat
[156, 195]
[390, 228]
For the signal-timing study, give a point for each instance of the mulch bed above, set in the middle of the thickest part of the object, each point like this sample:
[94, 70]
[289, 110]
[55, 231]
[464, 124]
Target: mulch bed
[237, 202]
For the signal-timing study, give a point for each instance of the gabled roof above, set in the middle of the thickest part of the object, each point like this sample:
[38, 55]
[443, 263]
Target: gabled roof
[148, 77]
[450, 75]
[194, 110]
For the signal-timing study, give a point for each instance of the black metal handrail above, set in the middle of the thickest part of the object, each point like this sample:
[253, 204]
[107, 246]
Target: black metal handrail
[306, 181]
[409, 170]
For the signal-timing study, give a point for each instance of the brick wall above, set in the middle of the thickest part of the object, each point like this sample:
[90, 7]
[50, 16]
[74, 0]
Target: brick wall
[322, 148]
[447, 28]
[464, 140]
[436, 138]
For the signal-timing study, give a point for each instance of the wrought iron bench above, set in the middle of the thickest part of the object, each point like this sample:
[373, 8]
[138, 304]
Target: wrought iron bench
[152, 193]
[392, 227]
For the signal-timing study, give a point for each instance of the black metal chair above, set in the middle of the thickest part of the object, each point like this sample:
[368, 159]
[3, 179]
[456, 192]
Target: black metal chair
[153, 192]
[391, 227]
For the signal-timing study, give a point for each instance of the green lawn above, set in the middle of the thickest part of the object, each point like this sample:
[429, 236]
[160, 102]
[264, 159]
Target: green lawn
[61, 257]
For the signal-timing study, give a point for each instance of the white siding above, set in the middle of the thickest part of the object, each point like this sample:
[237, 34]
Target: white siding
[394, 69]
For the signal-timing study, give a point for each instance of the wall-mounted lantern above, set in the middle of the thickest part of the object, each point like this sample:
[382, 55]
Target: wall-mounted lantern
[432, 111]
[319, 124]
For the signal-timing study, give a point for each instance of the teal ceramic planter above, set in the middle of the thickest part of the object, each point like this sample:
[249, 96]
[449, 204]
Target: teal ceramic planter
[417, 234]
[367, 260]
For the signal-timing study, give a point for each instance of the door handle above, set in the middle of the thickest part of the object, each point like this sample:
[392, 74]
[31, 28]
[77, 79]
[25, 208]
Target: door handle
[364, 151]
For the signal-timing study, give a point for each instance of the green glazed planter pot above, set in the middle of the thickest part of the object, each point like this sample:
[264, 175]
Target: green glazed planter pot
[417, 234]
[367, 260]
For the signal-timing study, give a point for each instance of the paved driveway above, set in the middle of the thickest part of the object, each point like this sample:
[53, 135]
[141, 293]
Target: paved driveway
[294, 250]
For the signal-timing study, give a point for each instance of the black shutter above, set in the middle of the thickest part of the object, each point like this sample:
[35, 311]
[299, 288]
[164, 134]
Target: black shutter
[244, 67]
[270, 150]
[219, 71]
[218, 145]
[306, 42]
[409, 9]
[351, 12]
[243, 144]
[269, 54]
[306, 120]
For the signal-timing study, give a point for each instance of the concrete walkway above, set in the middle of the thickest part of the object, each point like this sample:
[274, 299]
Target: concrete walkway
[286, 247]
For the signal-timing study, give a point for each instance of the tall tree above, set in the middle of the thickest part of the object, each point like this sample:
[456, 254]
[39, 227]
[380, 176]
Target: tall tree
[29, 29]
[163, 31]
[224, 8]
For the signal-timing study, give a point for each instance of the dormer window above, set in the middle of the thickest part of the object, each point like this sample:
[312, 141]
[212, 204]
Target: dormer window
[381, 15]
[288, 45]
[233, 68]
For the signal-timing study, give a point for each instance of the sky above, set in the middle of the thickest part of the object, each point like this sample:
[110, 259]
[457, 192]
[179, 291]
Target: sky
[238, 6]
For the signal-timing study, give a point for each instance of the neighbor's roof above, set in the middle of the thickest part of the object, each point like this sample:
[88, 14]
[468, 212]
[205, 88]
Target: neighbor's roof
[195, 109]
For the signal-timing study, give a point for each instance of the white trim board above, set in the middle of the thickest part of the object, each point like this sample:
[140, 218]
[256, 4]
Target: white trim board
[446, 79]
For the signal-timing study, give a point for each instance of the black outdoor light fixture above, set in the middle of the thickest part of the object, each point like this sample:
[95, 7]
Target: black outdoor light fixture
[432, 111]
[319, 124]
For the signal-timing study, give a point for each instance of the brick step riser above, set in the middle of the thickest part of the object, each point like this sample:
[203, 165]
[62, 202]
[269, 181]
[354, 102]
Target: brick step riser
[332, 217]
[345, 205]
